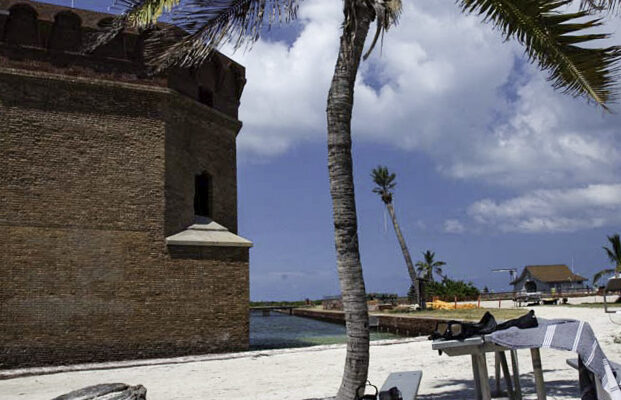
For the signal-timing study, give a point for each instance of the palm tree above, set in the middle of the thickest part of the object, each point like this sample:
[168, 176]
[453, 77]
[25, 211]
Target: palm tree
[614, 255]
[427, 267]
[550, 37]
[385, 182]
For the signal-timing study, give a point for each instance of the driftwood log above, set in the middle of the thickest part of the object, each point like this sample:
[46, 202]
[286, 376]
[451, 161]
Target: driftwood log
[107, 391]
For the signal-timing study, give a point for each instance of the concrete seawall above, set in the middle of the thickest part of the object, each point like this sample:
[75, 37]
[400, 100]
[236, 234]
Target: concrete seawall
[399, 324]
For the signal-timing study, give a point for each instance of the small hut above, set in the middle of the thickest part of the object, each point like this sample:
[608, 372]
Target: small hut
[547, 278]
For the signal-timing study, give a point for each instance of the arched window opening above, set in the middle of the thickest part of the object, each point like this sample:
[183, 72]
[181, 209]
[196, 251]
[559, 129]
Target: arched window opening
[66, 33]
[205, 96]
[21, 28]
[202, 195]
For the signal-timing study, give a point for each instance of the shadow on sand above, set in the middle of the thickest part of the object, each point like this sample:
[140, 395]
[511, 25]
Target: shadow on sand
[564, 388]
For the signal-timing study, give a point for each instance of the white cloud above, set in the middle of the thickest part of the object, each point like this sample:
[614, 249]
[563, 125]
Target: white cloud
[453, 226]
[461, 95]
[549, 139]
[284, 100]
[556, 210]
[424, 82]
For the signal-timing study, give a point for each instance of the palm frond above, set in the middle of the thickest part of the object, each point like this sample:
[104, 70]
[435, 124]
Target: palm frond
[383, 178]
[139, 14]
[209, 24]
[199, 26]
[385, 181]
[145, 13]
[106, 35]
[606, 6]
[387, 14]
[611, 255]
[421, 267]
[600, 274]
[551, 38]
[614, 253]
[429, 256]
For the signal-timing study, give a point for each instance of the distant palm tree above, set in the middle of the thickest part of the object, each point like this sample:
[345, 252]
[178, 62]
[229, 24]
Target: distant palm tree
[427, 267]
[385, 182]
[614, 255]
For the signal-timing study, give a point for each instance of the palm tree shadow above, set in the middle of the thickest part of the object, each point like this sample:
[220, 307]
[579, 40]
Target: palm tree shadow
[563, 388]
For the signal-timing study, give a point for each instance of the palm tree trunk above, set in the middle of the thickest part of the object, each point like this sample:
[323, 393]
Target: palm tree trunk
[339, 110]
[404, 249]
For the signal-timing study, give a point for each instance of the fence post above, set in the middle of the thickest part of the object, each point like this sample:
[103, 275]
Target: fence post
[479, 302]
[499, 301]
[455, 297]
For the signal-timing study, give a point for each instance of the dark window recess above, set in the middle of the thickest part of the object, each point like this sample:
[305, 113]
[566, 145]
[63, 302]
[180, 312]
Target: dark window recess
[202, 185]
[530, 287]
[22, 26]
[205, 96]
[66, 32]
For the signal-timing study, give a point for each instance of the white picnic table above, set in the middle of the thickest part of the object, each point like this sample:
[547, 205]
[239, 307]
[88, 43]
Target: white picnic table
[477, 347]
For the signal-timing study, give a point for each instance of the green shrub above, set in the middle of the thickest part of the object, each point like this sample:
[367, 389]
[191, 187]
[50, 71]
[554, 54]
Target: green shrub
[383, 297]
[447, 289]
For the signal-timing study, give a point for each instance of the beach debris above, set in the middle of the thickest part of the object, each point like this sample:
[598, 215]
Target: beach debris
[444, 305]
[407, 308]
[107, 391]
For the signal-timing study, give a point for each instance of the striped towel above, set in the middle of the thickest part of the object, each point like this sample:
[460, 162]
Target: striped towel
[565, 334]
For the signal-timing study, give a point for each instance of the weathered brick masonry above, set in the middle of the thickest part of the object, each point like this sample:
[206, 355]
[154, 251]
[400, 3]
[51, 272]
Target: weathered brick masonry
[97, 169]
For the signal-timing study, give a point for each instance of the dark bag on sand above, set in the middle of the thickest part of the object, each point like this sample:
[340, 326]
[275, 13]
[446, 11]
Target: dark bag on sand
[391, 394]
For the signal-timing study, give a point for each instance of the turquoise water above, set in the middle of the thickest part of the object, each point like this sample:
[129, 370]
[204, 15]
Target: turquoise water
[282, 330]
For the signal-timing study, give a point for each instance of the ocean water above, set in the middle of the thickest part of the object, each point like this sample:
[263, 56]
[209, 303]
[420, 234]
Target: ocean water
[280, 330]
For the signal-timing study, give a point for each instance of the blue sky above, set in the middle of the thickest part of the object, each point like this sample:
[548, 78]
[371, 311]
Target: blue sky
[494, 168]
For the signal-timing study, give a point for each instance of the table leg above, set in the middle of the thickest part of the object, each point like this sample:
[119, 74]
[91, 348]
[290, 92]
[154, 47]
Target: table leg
[475, 375]
[516, 375]
[505, 372]
[538, 372]
[497, 392]
[484, 377]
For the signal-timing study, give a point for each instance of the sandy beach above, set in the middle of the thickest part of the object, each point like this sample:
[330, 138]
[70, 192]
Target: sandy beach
[315, 372]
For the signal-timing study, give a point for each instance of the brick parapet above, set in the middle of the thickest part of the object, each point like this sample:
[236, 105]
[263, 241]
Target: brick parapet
[45, 37]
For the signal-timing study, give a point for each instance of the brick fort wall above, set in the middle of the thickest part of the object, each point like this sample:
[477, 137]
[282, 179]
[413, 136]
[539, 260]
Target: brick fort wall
[95, 174]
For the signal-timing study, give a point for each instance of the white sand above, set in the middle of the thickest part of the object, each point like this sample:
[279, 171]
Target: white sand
[316, 372]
